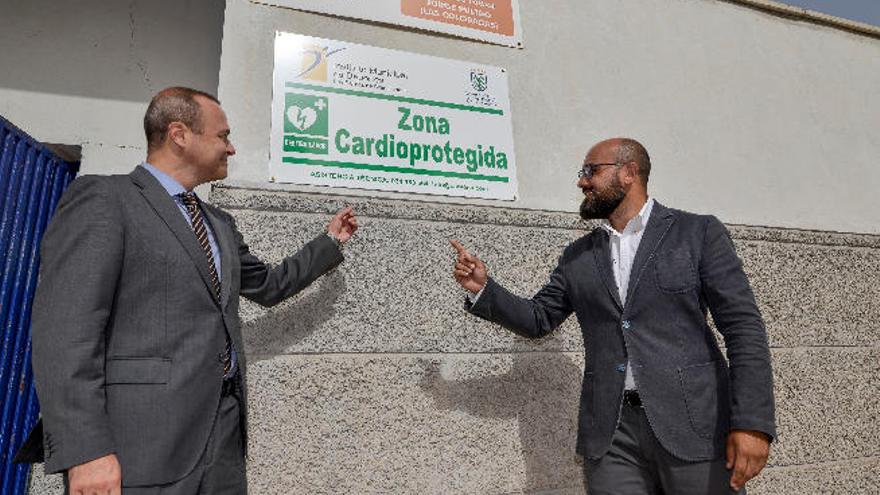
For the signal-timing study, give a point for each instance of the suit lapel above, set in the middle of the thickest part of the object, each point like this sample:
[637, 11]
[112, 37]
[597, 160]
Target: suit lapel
[168, 211]
[602, 257]
[658, 224]
[223, 236]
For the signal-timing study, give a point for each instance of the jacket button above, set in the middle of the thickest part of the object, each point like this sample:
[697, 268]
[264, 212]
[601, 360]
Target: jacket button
[621, 368]
[626, 324]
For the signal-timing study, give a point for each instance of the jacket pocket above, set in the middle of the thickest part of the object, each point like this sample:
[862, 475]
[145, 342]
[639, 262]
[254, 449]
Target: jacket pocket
[674, 271]
[133, 370]
[705, 394]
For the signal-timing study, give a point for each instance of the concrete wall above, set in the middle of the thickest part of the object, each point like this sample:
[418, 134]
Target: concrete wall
[82, 73]
[376, 381]
[760, 119]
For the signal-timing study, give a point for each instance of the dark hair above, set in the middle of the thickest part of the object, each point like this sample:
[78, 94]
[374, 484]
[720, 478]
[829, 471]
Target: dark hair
[630, 150]
[175, 104]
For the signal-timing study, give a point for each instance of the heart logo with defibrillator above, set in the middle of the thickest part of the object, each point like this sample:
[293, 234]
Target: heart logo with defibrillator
[302, 118]
[305, 114]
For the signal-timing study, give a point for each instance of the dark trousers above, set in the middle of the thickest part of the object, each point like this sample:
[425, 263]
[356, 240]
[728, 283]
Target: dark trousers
[220, 471]
[637, 464]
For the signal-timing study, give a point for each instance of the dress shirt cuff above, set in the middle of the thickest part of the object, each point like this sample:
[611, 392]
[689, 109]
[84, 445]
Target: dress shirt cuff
[472, 298]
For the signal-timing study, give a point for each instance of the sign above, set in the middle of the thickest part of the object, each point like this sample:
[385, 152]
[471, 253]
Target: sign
[348, 115]
[493, 21]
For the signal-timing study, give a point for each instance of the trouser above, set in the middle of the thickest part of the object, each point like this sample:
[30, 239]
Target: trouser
[221, 470]
[637, 464]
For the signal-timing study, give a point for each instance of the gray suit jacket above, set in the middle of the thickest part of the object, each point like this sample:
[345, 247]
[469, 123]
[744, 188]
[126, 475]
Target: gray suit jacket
[127, 334]
[685, 264]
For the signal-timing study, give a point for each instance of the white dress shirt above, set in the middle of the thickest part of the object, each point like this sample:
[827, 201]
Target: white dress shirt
[624, 246]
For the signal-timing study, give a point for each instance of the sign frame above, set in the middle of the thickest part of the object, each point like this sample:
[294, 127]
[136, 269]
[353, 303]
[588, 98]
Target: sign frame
[356, 116]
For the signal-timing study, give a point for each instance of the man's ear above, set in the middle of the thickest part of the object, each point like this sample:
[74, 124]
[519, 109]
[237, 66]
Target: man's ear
[630, 173]
[178, 134]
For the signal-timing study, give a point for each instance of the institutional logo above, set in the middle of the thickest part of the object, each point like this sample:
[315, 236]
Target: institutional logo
[306, 123]
[313, 66]
[479, 79]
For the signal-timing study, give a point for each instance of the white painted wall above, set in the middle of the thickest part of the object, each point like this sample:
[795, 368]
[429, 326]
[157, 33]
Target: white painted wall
[759, 119]
[83, 72]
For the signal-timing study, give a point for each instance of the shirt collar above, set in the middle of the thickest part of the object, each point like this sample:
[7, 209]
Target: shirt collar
[171, 186]
[636, 223]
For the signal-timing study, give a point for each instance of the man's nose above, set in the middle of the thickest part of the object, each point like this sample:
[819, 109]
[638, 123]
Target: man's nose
[230, 149]
[583, 182]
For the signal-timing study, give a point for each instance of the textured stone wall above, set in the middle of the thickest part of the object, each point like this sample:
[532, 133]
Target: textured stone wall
[375, 380]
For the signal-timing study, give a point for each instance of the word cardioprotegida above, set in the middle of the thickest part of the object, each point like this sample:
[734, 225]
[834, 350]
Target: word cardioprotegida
[389, 146]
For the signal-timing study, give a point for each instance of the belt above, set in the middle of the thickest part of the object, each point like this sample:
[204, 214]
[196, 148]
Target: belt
[229, 386]
[631, 398]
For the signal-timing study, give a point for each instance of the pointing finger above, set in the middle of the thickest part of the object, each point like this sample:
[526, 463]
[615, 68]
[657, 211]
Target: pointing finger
[458, 247]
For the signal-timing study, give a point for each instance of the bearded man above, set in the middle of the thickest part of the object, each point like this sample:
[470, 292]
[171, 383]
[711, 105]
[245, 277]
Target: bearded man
[661, 410]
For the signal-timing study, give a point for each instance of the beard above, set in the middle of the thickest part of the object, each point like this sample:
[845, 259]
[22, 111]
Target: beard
[602, 203]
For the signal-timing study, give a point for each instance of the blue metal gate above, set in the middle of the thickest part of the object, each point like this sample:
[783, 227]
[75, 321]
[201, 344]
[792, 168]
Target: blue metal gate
[32, 179]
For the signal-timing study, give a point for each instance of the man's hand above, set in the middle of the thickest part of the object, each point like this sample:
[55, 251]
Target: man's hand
[102, 476]
[747, 453]
[469, 271]
[343, 225]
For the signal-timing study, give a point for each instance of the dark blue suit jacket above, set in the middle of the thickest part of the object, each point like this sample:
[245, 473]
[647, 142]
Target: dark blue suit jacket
[685, 265]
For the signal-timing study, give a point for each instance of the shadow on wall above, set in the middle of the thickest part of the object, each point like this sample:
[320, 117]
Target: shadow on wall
[294, 320]
[121, 50]
[541, 391]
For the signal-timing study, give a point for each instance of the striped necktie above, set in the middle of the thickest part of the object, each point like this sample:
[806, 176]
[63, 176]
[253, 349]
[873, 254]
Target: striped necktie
[191, 202]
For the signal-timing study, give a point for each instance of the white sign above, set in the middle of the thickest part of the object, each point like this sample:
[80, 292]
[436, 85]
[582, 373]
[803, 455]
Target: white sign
[493, 21]
[348, 115]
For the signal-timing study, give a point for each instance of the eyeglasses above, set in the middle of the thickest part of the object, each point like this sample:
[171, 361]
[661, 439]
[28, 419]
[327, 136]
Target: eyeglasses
[590, 168]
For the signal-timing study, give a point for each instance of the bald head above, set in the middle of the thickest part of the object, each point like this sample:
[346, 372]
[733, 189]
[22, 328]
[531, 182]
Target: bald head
[175, 104]
[628, 150]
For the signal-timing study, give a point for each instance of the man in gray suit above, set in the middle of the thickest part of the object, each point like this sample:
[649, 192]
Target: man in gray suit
[138, 354]
[661, 411]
